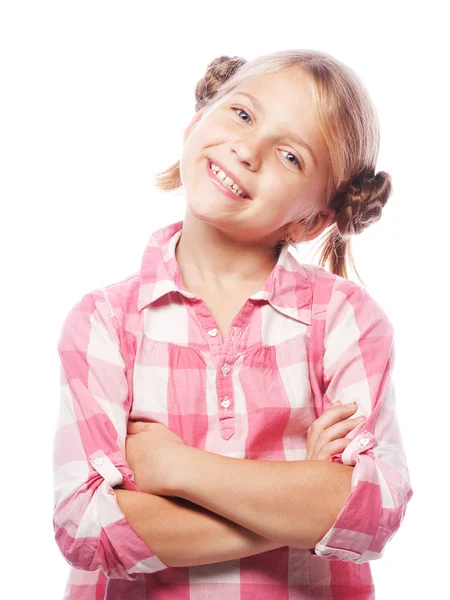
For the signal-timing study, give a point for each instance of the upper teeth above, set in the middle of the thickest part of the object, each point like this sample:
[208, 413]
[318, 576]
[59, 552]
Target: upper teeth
[226, 180]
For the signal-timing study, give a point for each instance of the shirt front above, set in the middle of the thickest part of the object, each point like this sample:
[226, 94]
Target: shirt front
[145, 348]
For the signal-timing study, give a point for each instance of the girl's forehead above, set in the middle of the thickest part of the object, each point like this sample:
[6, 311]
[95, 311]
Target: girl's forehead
[280, 88]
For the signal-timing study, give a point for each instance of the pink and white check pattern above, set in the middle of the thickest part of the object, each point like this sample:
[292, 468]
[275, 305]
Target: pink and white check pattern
[146, 348]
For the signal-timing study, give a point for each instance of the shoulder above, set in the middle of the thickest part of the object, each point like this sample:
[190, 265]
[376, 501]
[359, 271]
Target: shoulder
[123, 296]
[335, 295]
[113, 302]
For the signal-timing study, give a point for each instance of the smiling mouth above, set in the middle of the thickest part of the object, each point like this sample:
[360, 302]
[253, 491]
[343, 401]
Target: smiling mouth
[243, 196]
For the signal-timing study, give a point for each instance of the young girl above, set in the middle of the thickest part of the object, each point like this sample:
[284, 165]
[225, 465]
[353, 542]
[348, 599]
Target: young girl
[206, 445]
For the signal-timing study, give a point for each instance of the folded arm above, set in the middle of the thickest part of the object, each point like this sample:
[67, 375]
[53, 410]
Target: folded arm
[102, 519]
[184, 534]
[293, 503]
[90, 529]
[345, 509]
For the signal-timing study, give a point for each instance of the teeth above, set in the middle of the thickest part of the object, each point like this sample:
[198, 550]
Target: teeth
[226, 180]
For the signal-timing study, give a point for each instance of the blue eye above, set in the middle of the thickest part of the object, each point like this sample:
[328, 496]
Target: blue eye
[235, 109]
[298, 163]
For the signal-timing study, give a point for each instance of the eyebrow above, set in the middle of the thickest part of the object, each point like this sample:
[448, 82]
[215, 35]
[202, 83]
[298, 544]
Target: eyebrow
[292, 135]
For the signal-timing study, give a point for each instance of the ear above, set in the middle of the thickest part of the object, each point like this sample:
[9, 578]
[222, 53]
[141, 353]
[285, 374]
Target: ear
[195, 119]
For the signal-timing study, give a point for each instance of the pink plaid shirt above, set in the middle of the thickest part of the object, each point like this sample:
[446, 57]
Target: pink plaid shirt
[146, 348]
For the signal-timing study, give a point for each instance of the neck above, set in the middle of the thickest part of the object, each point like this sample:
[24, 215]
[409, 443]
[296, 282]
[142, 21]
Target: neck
[210, 259]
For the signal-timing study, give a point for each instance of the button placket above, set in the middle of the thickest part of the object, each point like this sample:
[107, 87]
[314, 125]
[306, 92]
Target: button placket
[225, 369]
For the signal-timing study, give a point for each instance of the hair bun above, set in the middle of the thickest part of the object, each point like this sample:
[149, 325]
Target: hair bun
[364, 202]
[217, 72]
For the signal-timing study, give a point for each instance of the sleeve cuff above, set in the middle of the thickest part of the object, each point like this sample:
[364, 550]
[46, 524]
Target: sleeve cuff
[353, 536]
[361, 443]
[136, 557]
[105, 467]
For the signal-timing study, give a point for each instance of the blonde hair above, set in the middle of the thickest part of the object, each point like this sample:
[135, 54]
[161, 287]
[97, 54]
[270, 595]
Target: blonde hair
[349, 123]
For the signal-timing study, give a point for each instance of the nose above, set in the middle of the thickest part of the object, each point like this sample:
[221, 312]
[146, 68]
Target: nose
[246, 154]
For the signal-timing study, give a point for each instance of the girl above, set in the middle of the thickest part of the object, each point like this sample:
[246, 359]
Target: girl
[232, 367]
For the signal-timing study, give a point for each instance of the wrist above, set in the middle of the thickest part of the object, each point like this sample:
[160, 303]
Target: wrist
[179, 473]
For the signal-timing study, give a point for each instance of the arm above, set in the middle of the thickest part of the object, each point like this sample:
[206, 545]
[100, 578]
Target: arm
[91, 530]
[184, 534]
[293, 503]
[344, 513]
[358, 361]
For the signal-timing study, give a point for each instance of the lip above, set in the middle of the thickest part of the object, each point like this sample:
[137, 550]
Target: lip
[231, 175]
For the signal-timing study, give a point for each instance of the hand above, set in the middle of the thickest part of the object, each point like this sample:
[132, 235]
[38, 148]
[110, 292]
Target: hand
[325, 436]
[151, 451]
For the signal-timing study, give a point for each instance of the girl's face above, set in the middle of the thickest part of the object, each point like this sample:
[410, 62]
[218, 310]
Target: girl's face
[255, 142]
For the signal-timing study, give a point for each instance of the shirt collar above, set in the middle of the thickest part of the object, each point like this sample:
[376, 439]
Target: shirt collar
[288, 288]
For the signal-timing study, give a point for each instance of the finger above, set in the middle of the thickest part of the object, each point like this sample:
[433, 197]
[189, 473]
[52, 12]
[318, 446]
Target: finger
[335, 414]
[339, 430]
[134, 427]
[349, 406]
[336, 432]
[335, 447]
[327, 450]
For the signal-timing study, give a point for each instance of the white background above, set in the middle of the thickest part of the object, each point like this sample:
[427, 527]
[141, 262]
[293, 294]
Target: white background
[95, 97]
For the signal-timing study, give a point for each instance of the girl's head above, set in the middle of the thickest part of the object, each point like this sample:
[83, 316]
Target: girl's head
[298, 99]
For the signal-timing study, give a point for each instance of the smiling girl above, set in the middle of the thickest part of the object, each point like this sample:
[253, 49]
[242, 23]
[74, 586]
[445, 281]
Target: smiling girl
[232, 367]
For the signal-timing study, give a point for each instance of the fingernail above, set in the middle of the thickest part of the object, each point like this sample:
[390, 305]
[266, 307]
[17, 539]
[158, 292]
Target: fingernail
[352, 404]
[338, 402]
[360, 419]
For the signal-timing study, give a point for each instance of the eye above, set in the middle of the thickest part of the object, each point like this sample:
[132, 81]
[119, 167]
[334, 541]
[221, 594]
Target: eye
[298, 163]
[235, 108]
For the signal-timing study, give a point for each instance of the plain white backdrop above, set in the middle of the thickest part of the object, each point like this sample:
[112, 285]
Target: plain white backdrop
[95, 97]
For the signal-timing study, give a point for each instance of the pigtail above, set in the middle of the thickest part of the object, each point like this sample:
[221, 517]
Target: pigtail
[219, 71]
[358, 205]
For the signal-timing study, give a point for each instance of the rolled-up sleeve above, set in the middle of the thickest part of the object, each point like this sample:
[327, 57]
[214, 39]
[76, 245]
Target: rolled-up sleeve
[357, 367]
[90, 529]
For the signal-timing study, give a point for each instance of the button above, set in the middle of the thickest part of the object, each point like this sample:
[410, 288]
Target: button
[233, 333]
[364, 442]
[226, 369]
[212, 332]
[98, 461]
[225, 403]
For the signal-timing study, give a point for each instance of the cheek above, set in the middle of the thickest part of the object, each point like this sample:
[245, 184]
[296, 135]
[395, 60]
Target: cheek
[282, 182]
[289, 208]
